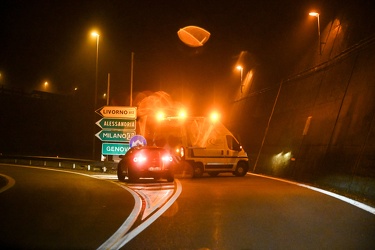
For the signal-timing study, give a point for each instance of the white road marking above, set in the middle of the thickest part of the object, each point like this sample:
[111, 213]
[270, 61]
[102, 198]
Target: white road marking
[337, 196]
[10, 183]
[129, 236]
[125, 227]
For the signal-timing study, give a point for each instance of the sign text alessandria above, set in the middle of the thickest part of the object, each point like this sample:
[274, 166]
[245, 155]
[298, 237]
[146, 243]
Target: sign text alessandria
[116, 123]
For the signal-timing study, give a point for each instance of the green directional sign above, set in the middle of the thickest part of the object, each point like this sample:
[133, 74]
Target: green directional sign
[114, 148]
[116, 123]
[115, 135]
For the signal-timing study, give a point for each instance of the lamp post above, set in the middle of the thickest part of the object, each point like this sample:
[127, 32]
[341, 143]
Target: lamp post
[95, 34]
[240, 68]
[316, 14]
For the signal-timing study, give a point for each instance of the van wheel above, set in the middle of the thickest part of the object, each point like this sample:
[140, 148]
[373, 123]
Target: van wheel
[197, 170]
[241, 169]
[213, 174]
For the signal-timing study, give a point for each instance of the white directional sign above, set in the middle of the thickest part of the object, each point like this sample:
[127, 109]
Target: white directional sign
[118, 112]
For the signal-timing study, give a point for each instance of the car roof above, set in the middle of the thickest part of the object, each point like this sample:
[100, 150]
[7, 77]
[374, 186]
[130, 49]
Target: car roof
[138, 148]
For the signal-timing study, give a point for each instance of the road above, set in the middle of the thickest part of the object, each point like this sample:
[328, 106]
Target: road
[224, 212]
[58, 210]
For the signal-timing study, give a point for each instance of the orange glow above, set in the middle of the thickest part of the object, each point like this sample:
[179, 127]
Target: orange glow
[215, 116]
[160, 116]
[314, 14]
[182, 114]
[94, 34]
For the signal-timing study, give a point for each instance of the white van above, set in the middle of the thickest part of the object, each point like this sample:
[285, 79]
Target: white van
[204, 145]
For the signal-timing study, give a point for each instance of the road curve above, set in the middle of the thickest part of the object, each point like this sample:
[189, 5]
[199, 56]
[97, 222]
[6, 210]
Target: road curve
[59, 210]
[253, 212]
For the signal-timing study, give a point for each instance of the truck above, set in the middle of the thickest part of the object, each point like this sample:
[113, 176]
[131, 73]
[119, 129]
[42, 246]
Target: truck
[201, 145]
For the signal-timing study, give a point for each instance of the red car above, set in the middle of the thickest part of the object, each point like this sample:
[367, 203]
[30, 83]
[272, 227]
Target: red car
[146, 161]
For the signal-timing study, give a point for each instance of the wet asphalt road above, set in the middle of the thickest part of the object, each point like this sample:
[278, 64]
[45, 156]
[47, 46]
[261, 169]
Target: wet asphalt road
[54, 210]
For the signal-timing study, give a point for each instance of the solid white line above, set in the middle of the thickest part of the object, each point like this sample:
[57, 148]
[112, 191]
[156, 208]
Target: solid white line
[125, 227]
[150, 220]
[337, 196]
[10, 183]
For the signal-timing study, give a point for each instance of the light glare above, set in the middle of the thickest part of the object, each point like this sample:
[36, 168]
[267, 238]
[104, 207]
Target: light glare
[215, 116]
[314, 14]
[160, 116]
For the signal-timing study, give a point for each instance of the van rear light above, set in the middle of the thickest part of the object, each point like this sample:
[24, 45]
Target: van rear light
[182, 152]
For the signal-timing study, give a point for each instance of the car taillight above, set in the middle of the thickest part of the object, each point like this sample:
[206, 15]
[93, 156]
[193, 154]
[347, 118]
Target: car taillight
[139, 158]
[167, 158]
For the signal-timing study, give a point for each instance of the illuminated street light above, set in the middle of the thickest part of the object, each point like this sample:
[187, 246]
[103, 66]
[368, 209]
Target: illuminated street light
[240, 68]
[316, 14]
[95, 34]
[45, 85]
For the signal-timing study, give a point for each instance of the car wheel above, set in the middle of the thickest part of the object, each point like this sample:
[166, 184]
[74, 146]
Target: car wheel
[242, 168]
[170, 178]
[120, 174]
[132, 177]
[197, 170]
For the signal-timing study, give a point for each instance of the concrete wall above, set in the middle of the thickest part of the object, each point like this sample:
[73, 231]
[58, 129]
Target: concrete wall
[318, 124]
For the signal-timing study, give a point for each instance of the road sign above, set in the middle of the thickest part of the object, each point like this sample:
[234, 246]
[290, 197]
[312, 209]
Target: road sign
[114, 148]
[118, 112]
[137, 140]
[115, 135]
[116, 123]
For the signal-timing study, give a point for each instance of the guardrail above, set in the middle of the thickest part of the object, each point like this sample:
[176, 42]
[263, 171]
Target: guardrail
[58, 162]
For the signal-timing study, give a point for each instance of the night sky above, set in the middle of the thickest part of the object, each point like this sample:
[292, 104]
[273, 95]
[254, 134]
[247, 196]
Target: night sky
[50, 41]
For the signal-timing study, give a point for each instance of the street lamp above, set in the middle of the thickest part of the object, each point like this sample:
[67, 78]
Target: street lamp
[316, 14]
[240, 68]
[95, 34]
